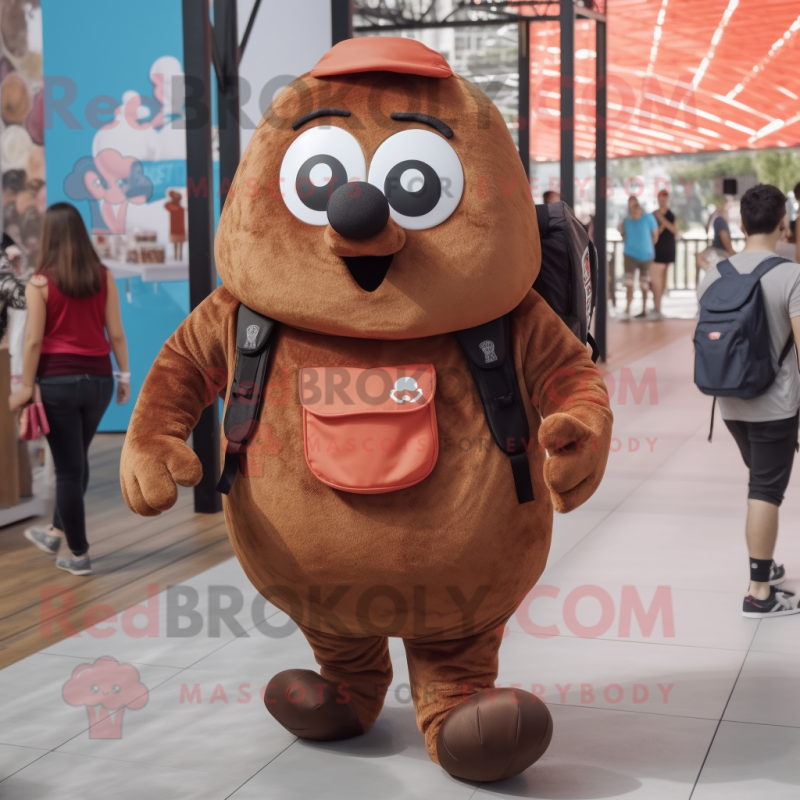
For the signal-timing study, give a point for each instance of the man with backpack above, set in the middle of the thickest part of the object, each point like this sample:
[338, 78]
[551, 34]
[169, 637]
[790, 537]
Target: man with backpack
[745, 357]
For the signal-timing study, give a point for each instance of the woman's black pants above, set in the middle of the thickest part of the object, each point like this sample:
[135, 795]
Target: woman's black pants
[74, 405]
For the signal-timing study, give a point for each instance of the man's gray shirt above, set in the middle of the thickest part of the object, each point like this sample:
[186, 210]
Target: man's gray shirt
[781, 292]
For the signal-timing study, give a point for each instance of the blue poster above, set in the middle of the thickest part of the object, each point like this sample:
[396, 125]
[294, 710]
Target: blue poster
[116, 148]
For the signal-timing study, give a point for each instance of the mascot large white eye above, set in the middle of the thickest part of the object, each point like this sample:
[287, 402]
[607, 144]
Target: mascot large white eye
[316, 164]
[421, 176]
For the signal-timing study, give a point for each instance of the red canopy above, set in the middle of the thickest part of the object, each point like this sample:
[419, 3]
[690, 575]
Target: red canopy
[684, 76]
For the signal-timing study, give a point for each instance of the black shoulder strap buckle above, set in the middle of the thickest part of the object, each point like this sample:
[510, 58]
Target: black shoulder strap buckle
[487, 350]
[254, 336]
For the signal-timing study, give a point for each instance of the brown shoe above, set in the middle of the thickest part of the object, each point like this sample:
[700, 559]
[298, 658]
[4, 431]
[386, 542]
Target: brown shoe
[494, 734]
[311, 707]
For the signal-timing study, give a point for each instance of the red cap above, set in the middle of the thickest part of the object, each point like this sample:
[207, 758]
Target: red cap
[382, 53]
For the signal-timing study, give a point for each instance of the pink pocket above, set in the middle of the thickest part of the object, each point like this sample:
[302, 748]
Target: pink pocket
[370, 430]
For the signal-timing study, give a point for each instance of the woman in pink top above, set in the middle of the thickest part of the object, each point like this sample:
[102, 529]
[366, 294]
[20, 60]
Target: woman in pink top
[74, 323]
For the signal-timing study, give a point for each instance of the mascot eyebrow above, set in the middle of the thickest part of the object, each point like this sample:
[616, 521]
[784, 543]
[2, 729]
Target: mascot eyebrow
[320, 112]
[401, 116]
[425, 119]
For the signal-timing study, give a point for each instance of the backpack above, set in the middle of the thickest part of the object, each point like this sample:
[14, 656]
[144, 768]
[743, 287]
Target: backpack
[732, 345]
[568, 276]
[488, 354]
[566, 282]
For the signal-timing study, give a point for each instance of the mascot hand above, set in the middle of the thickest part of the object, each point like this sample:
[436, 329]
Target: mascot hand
[578, 451]
[151, 471]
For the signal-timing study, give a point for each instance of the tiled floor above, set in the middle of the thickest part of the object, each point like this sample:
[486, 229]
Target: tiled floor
[694, 702]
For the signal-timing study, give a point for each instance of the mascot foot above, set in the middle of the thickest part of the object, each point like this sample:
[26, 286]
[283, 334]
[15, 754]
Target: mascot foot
[311, 707]
[494, 734]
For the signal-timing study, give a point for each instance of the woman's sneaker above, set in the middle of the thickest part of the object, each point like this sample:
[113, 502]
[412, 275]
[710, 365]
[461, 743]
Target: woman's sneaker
[44, 539]
[780, 603]
[777, 574]
[77, 565]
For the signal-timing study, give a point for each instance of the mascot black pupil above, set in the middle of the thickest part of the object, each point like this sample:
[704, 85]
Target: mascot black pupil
[422, 195]
[311, 192]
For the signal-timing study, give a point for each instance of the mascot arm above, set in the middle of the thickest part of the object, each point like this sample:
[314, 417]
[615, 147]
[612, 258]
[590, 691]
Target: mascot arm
[571, 396]
[187, 376]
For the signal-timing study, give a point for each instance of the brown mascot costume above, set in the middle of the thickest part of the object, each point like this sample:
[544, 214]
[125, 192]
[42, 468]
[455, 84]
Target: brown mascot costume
[380, 209]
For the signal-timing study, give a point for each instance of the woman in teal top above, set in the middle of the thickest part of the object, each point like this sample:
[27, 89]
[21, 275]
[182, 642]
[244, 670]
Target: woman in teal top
[639, 231]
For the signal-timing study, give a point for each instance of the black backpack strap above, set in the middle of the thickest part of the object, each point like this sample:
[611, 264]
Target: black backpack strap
[767, 264]
[487, 350]
[787, 348]
[254, 334]
[761, 270]
[543, 219]
[726, 269]
[711, 426]
[593, 344]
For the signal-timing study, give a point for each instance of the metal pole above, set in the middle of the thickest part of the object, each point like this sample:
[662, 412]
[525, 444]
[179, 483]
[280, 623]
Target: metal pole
[567, 22]
[227, 41]
[524, 114]
[200, 204]
[600, 172]
[341, 20]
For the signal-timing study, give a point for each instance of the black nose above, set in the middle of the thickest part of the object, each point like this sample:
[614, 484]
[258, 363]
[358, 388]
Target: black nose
[358, 210]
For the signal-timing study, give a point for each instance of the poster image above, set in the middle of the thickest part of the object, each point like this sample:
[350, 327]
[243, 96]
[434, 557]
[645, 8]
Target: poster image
[133, 182]
[22, 158]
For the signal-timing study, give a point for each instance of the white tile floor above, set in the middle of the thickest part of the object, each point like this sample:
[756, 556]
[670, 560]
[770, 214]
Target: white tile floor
[696, 702]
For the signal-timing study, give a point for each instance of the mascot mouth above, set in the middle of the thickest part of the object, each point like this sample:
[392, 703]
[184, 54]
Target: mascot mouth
[368, 271]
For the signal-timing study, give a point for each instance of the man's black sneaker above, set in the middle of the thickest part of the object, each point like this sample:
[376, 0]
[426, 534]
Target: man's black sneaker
[778, 604]
[777, 574]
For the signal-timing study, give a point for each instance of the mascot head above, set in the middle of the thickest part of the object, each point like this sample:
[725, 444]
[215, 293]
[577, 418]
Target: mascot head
[381, 197]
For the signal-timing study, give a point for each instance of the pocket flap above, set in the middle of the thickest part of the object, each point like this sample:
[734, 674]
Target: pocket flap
[345, 391]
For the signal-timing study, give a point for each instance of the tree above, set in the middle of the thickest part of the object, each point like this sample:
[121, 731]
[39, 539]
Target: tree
[781, 168]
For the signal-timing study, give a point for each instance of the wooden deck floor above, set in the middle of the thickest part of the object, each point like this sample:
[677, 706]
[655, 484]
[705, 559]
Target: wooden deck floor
[128, 553]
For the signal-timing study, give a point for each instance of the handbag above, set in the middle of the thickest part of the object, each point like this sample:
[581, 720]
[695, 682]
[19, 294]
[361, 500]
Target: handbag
[32, 419]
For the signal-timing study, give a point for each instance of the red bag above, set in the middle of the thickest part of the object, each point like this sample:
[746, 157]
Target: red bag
[32, 419]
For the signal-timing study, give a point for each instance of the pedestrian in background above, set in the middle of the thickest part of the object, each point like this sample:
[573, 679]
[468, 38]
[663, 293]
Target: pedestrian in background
[720, 247]
[72, 303]
[794, 230]
[664, 252]
[639, 232]
[787, 246]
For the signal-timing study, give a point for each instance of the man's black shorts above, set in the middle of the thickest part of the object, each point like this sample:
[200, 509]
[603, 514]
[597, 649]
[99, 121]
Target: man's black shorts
[768, 450]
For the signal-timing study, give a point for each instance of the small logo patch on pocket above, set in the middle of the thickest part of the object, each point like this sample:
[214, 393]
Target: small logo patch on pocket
[714, 335]
[406, 390]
